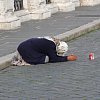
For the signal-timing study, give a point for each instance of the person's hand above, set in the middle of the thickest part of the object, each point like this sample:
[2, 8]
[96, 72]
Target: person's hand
[72, 57]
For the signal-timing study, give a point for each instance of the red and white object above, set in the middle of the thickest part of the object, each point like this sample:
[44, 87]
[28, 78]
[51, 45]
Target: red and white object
[91, 56]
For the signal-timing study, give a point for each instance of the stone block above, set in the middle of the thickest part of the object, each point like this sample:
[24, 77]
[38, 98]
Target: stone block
[89, 2]
[23, 15]
[53, 8]
[66, 7]
[9, 23]
[40, 14]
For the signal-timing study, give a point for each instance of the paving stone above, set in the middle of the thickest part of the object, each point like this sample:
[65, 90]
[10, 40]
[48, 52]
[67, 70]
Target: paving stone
[77, 80]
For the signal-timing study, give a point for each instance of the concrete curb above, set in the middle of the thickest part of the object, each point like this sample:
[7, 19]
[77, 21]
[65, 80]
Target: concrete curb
[74, 33]
[5, 61]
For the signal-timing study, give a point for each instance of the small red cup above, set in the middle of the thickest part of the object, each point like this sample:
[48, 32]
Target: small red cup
[91, 56]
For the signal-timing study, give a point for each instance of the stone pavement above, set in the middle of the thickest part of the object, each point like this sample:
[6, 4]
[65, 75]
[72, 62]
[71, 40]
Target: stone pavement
[78, 80]
[65, 26]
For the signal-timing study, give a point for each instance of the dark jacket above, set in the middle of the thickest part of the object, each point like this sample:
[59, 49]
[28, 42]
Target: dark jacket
[34, 51]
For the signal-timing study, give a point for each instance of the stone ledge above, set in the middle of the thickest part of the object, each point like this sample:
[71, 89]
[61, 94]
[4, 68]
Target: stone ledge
[5, 61]
[9, 23]
[69, 35]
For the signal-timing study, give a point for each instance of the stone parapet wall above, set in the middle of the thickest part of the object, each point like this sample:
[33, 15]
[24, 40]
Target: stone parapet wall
[36, 9]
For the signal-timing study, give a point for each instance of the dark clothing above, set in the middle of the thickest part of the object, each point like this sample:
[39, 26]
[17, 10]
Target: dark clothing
[34, 51]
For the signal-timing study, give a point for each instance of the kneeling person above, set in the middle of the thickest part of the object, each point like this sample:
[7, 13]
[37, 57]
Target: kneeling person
[41, 50]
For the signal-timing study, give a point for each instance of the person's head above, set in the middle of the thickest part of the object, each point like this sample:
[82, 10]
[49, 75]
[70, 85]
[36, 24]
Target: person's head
[62, 48]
